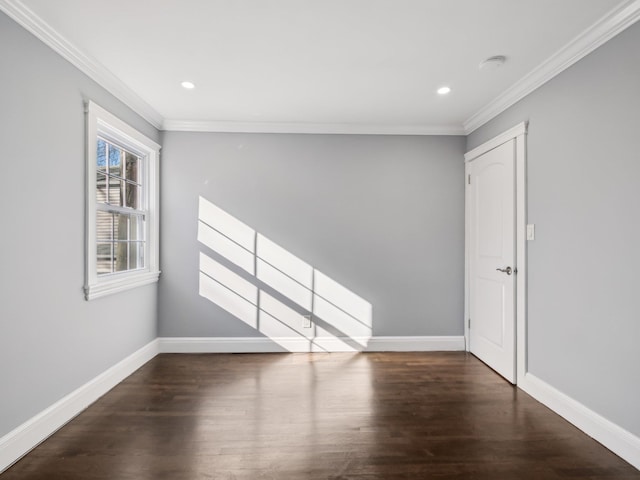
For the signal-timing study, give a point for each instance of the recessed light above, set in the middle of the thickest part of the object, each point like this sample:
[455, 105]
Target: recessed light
[443, 90]
[188, 85]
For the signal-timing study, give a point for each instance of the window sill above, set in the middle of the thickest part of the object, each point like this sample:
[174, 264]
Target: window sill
[119, 284]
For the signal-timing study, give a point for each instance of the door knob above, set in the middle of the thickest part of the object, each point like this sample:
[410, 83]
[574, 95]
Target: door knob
[505, 270]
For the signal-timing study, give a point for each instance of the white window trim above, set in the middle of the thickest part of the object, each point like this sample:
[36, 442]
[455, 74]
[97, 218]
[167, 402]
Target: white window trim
[101, 122]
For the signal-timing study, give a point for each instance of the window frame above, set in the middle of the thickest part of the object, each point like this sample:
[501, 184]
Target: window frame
[103, 124]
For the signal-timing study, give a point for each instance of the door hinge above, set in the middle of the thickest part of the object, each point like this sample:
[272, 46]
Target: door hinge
[469, 323]
[469, 179]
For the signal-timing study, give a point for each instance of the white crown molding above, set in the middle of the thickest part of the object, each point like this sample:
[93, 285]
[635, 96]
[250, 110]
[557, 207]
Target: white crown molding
[301, 344]
[89, 66]
[311, 128]
[606, 28]
[17, 443]
[610, 25]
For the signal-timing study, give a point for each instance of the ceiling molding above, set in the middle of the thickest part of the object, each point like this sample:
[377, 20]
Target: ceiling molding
[311, 128]
[610, 25]
[95, 70]
[606, 28]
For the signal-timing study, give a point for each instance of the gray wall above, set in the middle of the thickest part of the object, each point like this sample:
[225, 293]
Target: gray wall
[584, 197]
[51, 340]
[381, 215]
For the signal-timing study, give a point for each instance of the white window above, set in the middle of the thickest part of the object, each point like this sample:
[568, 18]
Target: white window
[122, 206]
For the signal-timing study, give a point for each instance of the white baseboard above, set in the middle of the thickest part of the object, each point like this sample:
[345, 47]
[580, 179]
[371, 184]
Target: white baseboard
[300, 344]
[615, 438]
[416, 344]
[218, 345]
[30, 434]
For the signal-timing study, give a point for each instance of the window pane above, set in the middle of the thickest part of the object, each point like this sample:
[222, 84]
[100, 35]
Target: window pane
[104, 262]
[104, 226]
[120, 242]
[136, 227]
[102, 155]
[122, 256]
[120, 226]
[101, 188]
[115, 160]
[115, 191]
[136, 255]
[132, 171]
[132, 195]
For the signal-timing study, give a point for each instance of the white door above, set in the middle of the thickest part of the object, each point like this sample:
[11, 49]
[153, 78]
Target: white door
[492, 269]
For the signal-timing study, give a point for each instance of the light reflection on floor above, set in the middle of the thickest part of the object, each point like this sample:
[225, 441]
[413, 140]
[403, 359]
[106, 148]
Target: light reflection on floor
[296, 391]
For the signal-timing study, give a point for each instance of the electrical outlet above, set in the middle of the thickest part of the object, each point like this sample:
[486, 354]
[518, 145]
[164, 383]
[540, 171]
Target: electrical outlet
[306, 321]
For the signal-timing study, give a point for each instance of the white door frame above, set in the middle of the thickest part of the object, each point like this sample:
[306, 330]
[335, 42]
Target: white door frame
[519, 133]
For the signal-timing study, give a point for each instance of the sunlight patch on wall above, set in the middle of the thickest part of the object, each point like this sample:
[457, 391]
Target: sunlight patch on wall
[281, 289]
[227, 225]
[284, 284]
[286, 262]
[349, 326]
[228, 278]
[342, 298]
[226, 247]
[233, 303]
[278, 320]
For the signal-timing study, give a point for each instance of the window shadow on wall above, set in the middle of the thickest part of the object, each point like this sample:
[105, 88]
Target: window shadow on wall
[268, 288]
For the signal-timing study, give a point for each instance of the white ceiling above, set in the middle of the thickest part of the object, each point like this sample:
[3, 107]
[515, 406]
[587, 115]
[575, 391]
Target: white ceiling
[321, 65]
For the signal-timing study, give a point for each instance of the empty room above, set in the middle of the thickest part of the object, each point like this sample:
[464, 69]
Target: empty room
[305, 239]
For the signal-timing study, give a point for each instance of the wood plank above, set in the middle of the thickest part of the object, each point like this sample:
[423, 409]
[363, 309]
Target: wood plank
[319, 416]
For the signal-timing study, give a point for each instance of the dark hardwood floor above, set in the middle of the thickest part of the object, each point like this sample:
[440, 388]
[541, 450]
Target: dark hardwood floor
[318, 416]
